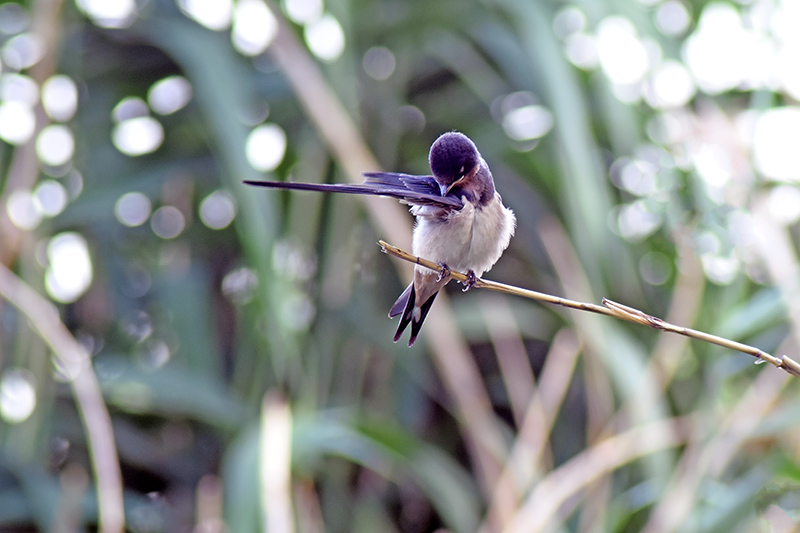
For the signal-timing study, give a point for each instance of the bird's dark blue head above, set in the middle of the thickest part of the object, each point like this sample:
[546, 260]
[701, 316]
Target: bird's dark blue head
[453, 156]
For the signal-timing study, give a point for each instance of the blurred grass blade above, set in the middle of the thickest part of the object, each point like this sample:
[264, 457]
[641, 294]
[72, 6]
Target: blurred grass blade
[171, 390]
[393, 453]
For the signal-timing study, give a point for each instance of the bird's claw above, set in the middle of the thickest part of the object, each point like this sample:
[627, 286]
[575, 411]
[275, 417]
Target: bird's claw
[470, 282]
[444, 272]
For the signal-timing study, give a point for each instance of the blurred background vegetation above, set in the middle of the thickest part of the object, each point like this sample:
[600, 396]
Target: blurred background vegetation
[241, 356]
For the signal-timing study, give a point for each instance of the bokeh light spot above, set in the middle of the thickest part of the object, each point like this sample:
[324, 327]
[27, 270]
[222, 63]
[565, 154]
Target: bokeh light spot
[218, 210]
[303, 11]
[775, 147]
[708, 243]
[73, 181]
[110, 13]
[19, 88]
[672, 86]
[17, 395]
[622, 54]
[325, 38]
[60, 97]
[638, 177]
[528, 122]
[655, 268]
[522, 118]
[240, 285]
[568, 21]
[55, 145]
[155, 354]
[169, 95]
[22, 210]
[411, 119]
[51, 197]
[266, 146]
[22, 51]
[721, 53]
[672, 18]
[137, 325]
[378, 62]
[17, 122]
[293, 261]
[784, 203]
[168, 222]
[213, 14]
[69, 272]
[14, 18]
[132, 209]
[138, 136]
[635, 221]
[719, 269]
[581, 50]
[713, 165]
[130, 107]
[297, 311]
[254, 27]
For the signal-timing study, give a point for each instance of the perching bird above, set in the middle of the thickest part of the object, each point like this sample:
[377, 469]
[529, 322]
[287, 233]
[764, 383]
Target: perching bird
[462, 223]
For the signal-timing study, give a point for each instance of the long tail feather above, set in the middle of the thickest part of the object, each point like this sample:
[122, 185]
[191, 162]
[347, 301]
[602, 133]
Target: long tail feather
[400, 304]
[416, 323]
[414, 190]
[412, 314]
[319, 187]
[408, 311]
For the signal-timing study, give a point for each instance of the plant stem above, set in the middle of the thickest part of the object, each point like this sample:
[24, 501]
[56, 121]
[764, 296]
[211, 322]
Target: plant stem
[609, 308]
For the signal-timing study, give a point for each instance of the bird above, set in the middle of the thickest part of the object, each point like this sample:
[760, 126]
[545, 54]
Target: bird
[461, 222]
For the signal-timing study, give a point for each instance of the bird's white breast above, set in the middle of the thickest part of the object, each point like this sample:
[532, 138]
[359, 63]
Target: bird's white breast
[470, 239]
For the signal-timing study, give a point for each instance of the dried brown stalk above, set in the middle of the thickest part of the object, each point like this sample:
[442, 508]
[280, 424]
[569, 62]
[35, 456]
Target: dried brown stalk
[609, 308]
[77, 364]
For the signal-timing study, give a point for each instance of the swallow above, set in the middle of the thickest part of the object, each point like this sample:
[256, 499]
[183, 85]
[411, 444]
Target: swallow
[461, 222]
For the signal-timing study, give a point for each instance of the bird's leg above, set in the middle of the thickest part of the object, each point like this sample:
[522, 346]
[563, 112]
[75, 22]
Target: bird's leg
[444, 272]
[470, 282]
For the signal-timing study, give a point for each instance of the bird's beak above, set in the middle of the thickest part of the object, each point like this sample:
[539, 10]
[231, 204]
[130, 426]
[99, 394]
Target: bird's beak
[446, 188]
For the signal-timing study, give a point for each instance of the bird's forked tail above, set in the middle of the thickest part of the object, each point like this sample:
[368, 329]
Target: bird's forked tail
[411, 313]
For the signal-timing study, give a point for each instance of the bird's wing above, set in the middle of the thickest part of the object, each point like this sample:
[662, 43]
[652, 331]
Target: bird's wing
[409, 189]
[422, 184]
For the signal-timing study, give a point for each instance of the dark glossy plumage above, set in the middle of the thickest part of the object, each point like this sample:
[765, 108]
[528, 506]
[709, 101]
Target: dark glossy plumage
[409, 189]
[452, 156]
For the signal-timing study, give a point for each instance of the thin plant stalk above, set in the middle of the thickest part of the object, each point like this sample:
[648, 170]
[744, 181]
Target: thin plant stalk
[77, 364]
[609, 308]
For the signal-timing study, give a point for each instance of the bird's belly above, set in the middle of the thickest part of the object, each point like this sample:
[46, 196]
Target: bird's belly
[470, 239]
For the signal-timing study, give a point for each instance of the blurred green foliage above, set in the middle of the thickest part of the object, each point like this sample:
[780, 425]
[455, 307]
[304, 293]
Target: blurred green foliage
[189, 333]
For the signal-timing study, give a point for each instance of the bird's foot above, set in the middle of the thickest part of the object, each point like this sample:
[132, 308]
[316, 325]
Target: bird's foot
[444, 272]
[470, 282]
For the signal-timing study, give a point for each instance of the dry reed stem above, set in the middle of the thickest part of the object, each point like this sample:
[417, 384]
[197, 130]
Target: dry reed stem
[554, 490]
[76, 363]
[609, 308]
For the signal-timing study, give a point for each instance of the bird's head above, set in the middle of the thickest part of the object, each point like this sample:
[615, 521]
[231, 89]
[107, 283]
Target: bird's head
[454, 161]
